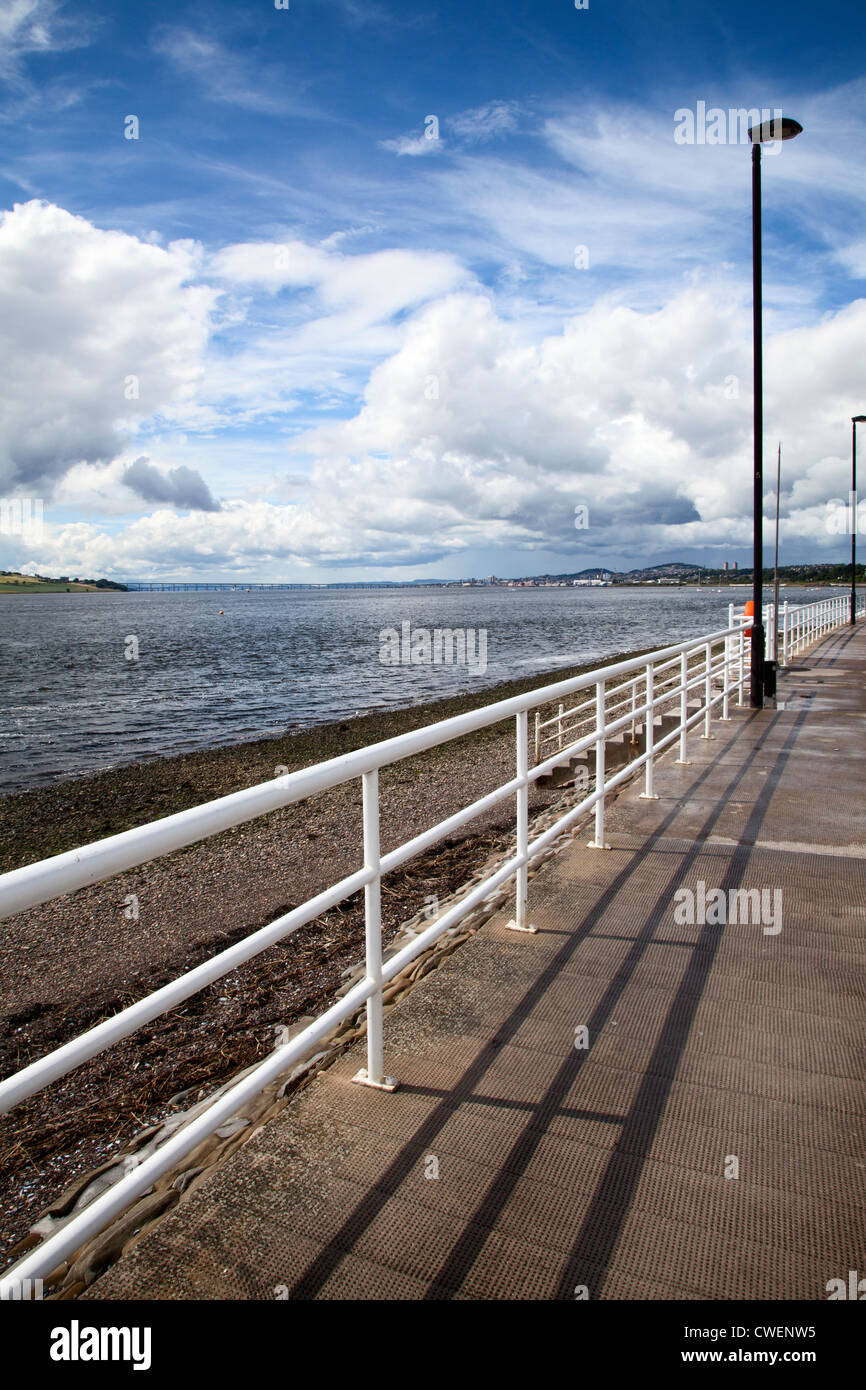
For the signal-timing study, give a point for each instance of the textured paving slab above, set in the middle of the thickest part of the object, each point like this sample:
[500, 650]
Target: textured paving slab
[513, 1164]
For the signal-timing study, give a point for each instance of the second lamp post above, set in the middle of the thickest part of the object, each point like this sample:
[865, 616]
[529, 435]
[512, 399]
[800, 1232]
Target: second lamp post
[780, 128]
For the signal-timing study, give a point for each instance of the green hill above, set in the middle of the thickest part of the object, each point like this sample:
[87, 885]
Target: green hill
[13, 583]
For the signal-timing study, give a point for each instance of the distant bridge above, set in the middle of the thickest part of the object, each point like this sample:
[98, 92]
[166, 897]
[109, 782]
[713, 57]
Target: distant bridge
[148, 586]
[159, 586]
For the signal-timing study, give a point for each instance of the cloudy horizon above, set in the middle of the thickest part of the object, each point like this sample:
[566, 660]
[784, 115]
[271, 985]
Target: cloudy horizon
[334, 293]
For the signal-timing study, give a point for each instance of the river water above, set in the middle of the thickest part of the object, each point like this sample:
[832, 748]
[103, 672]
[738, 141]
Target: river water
[91, 681]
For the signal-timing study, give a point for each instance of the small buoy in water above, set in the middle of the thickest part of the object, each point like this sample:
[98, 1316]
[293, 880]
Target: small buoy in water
[221, 613]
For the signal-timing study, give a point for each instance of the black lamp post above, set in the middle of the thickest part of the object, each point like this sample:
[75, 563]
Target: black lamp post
[781, 128]
[855, 421]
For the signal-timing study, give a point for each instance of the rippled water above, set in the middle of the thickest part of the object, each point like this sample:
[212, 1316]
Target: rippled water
[71, 702]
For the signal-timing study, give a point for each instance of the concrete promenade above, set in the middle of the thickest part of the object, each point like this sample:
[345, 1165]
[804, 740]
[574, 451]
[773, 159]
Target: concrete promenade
[709, 1140]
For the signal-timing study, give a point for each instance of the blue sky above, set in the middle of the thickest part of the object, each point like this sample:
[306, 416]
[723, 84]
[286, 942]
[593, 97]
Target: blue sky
[286, 334]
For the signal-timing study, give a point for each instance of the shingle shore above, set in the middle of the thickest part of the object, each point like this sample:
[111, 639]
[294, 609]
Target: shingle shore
[67, 964]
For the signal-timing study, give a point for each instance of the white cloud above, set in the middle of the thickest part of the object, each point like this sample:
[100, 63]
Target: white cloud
[853, 258]
[330, 317]
[475, 422]
[485, 122]
[472, 437]
[33, 27]
[228, 78]
[413, 145]
[98, 331]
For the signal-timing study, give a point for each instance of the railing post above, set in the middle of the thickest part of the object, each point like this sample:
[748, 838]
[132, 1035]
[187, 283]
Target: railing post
[648, 794]
[600, 727]
[537, 738]
[374, 1072]
[773, 635]
[726, 668]
[708, 690]
[785, 633]
[684, 706]
[559, 726]
[519, 922]
[740, 665]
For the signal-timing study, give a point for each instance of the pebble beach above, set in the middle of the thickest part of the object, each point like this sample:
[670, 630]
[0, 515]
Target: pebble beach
[68, 964]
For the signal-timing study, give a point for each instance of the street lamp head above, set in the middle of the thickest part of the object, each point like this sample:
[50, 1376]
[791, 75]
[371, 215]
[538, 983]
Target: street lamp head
[858, 419]
[780, 128]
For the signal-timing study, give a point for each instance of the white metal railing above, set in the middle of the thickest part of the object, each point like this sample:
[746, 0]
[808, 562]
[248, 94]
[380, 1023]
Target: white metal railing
[710, 667]
[562, 728]
[800, 626]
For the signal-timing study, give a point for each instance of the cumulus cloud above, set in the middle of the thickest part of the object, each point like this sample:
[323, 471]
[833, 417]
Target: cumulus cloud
[471, 423]
[330, 316]
[471, 437]
[98, 331]
[182, 487]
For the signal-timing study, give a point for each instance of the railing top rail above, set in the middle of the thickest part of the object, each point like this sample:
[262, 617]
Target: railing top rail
[39, 882]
